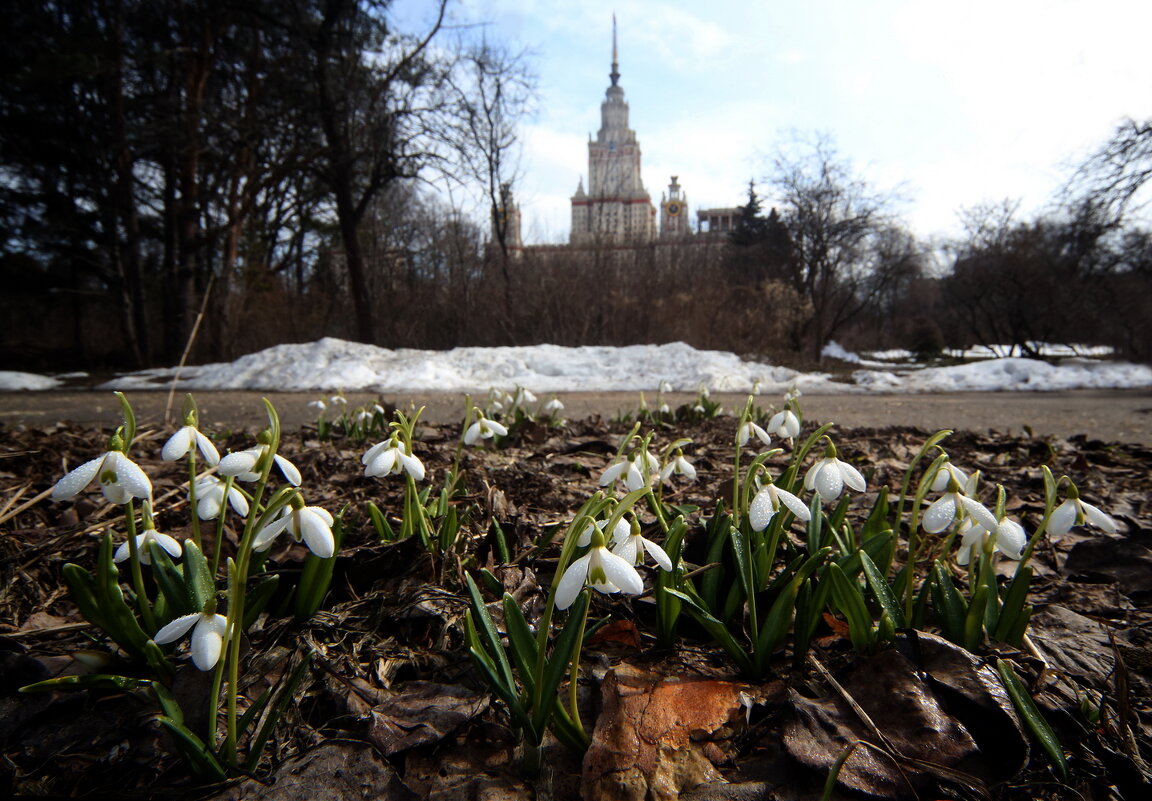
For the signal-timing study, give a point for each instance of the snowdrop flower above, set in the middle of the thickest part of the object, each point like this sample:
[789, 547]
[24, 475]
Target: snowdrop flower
[390, 458]
[1010, 539]
[746, 431]
[120, 479]
[767, 504]
[184, 441]
[829, 476]
[208, 630]
[784, 424]
[601, 570]
[618, 470]
[945, 474]
[632, 547]
[166, 542]
[318, 405]
[210, 498]
[553, 407]
[620, 532]
[311, 523]
[338, 400]
[1075, 512]
[242, 465]
[954, 505]
[678, 466]
[483, 428]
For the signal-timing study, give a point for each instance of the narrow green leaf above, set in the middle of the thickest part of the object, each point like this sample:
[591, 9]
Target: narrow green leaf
[974, 619]
[558, 661]
[88, 681]
[197, 576]
[284, 695]
[719, 633]
[170, 580]
[882, 591]
[168, 702]
[849, 599]
[949, 604]
[495, 649]
[199, 757]
[258, 598]
[521, 640]
[1027, 709]
[1014, 600]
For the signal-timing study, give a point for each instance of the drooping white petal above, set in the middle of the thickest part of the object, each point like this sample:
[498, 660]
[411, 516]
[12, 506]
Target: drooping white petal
[270, 532]
[375, 451]
[1011, 539]
[941, 514]
[382, 463]
[1098, 518]
[572, 582]
[291, 474]
[659, 555]
[496, 429]
[316, 528]
[829, 481]
[239, 462]
[613, 472]
[622, 574]
[762, 509]
[207, 449]
[851, 476]
[178, 444]
[177, 628]
[627, 550]
[208, 640]
[123, 553]
[472, 435]
[70, 486]
[813, 471]
[412, 466]
[1063, 518]
[794, 504]
[979, 512]
[635, 479]
[970, 536]
[129, 475]
[784, 424]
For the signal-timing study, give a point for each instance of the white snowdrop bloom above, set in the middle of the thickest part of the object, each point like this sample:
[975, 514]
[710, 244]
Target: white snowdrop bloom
[184, 440]
[210, 498]
[120, 479]
[665, 386]
[165, 541]
[208, 632]
[318, 405]
[389, 458]
[338, 400]
[624, 470]
[955, 505]
[601, 570]
[767, 504]
[678, 466]
[632, 547]
[553, 406]
[747, 431]
[620, 531]
[1075, 512]
[1010, 539]
[484, 429]
[828, 476]
[784, 424]
[242, 466]
[310, 523]
[946, 473]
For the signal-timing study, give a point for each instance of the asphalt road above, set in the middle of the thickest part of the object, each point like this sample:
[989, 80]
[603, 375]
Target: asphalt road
[1110, 415]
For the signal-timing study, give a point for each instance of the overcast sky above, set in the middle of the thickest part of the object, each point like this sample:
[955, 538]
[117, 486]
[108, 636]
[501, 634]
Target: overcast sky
[953, 103]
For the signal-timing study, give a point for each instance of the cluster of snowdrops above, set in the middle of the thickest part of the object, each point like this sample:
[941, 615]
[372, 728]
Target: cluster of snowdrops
[778, 554]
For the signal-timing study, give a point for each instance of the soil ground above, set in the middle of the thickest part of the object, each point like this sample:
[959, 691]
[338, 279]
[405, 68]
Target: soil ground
[1108, 415]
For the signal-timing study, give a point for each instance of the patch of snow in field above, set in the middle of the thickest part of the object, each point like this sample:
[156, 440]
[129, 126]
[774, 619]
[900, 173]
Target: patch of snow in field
[13, 381]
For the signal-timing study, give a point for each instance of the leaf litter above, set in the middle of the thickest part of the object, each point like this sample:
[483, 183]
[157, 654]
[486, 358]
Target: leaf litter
[392, 709]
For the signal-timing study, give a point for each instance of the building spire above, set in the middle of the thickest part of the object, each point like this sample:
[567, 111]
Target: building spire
[615, 74]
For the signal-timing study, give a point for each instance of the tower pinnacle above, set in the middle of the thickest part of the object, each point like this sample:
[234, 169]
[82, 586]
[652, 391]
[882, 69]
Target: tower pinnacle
[615, 74]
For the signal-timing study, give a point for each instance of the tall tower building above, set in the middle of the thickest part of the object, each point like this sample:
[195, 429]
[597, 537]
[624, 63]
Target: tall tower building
[674, 211]
[616, 209]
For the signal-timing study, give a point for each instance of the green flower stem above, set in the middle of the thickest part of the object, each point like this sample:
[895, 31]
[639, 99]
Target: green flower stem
[574, 675]
[238, 580]
[192, 499]
[225, 504]
[138, 574]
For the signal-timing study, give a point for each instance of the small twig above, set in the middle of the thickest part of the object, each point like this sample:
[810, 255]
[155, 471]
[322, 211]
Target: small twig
[6, 515]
